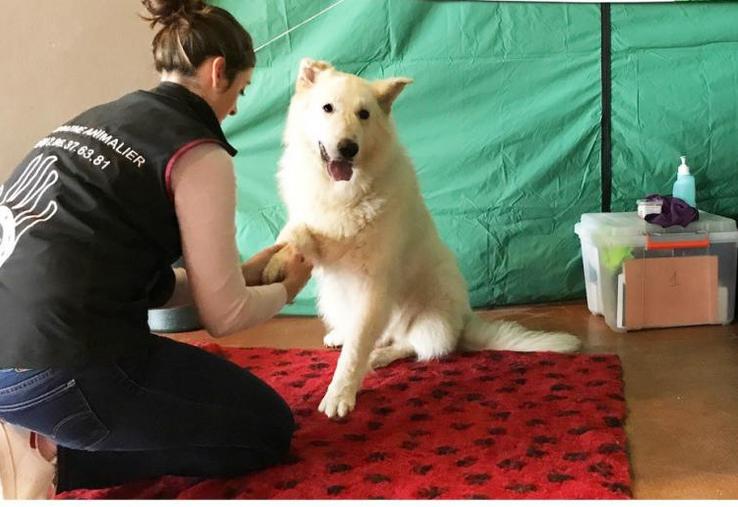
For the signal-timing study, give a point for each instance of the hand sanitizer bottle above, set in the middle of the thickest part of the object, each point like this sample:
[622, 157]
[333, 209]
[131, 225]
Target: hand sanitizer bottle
[684, 184]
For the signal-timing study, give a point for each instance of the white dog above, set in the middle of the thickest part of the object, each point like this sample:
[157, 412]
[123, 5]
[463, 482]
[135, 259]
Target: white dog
[388, 286]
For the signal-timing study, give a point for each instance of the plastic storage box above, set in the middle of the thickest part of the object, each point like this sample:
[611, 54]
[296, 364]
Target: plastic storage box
[640, 275]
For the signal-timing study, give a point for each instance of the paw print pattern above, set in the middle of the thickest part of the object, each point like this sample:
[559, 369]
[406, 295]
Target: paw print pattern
[451, 435]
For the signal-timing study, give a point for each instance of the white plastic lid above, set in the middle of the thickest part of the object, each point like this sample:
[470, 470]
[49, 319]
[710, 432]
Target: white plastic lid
[607, 227]
[683, 167]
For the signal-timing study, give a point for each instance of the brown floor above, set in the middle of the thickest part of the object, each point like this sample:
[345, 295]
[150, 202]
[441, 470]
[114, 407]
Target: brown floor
[681, 389]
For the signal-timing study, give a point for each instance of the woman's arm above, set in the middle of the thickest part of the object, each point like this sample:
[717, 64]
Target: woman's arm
[204, 188]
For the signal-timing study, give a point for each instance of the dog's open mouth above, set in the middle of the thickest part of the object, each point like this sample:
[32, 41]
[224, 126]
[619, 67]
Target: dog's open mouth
[339, 170]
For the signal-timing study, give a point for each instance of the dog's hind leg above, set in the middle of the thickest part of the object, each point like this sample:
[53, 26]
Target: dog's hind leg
[429, 338]
[387, 348]
[382, 356]
[432, 335]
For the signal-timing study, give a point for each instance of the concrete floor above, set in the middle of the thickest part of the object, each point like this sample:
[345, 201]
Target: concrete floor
[681, 388]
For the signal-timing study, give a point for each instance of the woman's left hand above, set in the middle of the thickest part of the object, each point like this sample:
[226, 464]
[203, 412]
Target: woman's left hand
[253, 267]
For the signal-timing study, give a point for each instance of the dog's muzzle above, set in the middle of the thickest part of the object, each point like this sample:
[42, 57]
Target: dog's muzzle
[338, 169]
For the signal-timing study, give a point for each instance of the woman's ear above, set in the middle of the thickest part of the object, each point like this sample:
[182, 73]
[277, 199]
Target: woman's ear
[218, 77]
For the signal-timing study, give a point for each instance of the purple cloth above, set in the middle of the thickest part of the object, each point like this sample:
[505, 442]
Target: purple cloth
[674, 211]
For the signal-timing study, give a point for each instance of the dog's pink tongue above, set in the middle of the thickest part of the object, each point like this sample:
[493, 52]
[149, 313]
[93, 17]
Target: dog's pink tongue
[340, 170]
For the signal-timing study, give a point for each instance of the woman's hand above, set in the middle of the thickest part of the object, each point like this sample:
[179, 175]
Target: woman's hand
[296, 270]
[253, 267]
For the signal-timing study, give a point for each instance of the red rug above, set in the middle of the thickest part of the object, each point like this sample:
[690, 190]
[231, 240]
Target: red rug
[474, 425]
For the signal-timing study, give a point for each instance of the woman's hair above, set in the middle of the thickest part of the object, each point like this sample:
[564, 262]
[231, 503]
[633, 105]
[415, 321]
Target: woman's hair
[193, 31]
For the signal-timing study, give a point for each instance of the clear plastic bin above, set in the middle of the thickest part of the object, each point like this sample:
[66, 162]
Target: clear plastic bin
[610, 241]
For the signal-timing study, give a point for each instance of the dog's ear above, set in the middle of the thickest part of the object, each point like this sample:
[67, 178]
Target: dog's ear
[387, 90]
[309, 70]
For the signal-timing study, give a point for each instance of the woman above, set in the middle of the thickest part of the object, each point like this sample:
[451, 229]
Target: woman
[90, 221]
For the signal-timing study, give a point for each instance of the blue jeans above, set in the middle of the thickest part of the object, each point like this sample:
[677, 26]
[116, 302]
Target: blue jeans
[169, 409]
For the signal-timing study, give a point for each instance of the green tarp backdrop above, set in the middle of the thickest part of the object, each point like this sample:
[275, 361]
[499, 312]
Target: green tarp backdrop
[504, 119]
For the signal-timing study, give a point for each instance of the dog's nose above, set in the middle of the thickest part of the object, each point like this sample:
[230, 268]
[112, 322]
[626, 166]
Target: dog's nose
[347, 148]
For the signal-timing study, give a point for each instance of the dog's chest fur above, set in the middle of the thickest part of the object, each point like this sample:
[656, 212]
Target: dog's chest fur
[342, 233]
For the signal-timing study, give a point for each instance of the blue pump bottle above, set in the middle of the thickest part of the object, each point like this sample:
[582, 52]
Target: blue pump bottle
[684, 185]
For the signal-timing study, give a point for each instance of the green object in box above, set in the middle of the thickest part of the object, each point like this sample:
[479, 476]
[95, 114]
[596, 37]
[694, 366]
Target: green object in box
[614, 256]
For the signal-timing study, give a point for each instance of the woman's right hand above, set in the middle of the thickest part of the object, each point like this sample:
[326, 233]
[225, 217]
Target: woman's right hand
[296, 270]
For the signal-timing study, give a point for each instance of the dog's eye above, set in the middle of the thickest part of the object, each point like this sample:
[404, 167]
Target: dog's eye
[328, 108]
[364, 114]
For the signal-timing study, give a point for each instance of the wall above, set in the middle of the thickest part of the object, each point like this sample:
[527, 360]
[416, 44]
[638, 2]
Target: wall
[61, 57]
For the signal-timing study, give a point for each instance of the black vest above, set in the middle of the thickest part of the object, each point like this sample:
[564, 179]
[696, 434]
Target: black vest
[87, 226]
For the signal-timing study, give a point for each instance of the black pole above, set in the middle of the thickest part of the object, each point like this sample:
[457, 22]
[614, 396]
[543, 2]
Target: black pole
[606, 121]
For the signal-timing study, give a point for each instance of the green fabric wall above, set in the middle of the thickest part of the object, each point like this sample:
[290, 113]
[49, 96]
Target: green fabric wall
[675, 92]
[503, 120]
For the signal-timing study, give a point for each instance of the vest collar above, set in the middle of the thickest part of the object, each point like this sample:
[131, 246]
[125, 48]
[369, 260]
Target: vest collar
[196, 107]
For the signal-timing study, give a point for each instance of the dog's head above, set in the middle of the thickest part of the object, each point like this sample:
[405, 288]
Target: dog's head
[341, 117]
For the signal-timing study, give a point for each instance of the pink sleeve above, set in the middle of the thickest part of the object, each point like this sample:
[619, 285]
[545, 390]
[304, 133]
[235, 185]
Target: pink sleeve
[204, 188]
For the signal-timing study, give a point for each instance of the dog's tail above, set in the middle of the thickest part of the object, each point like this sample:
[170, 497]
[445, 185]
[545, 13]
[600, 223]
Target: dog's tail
[481, 334]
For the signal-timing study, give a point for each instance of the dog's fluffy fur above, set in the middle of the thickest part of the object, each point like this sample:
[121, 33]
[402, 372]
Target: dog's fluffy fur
[388, 286]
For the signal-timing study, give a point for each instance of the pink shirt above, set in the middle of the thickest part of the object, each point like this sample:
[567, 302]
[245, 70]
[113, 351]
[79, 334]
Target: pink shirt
[204, 188]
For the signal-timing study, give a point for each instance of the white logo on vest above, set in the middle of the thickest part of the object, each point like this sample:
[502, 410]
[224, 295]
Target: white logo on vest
[19, 204]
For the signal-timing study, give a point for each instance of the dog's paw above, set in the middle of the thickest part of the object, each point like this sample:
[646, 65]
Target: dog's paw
[273, 272]
[381, 357]
[385, 341]
[337, 403]
[333, 339]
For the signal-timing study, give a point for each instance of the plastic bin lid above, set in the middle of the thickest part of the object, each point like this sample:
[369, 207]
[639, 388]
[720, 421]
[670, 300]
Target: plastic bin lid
[630, 224]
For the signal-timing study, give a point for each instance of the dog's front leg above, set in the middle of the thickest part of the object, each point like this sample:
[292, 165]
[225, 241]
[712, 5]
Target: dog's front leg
[296, 237]
[360, 337]
[301, 238]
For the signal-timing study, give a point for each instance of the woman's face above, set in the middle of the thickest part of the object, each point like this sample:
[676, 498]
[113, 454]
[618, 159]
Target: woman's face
[224, 101]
